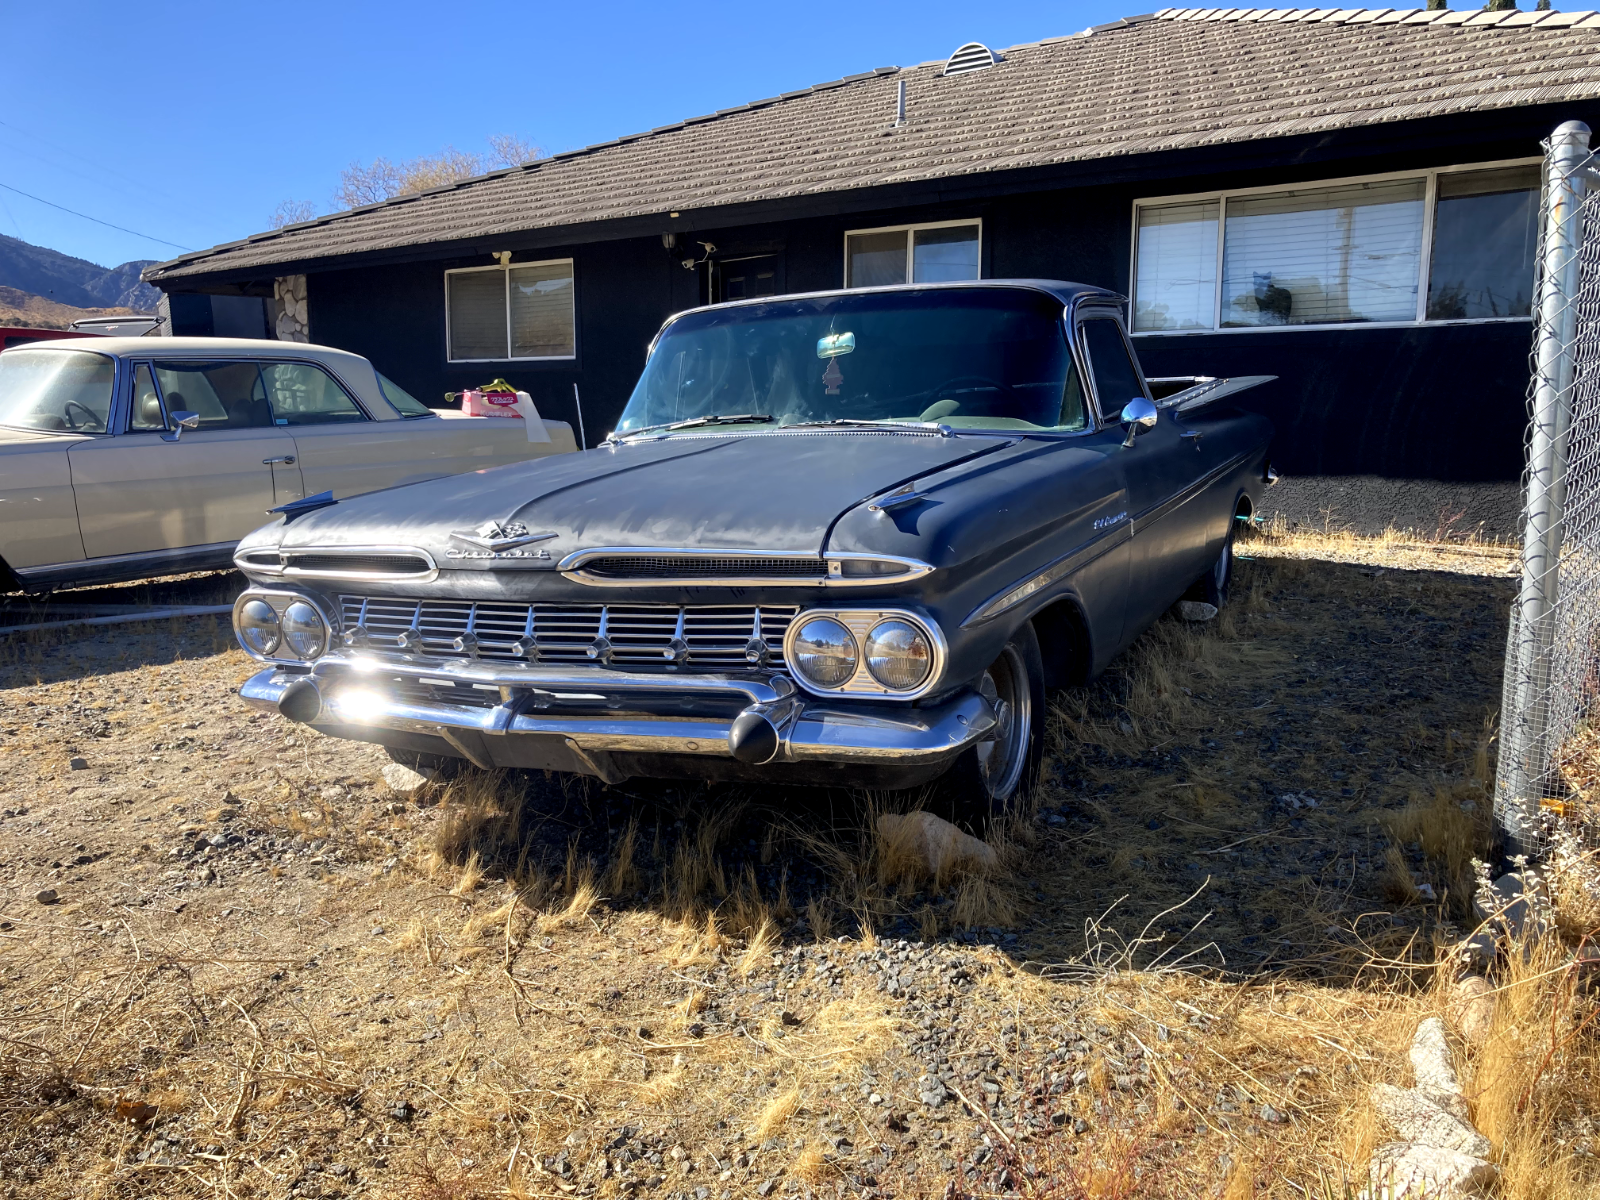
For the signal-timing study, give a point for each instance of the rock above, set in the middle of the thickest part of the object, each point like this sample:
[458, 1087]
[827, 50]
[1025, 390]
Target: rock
[1196, 610]
[1416, 1118]
[78, 764]
[1400, 1169]
[931, 845]
[404, 780]
[48, 896]
[1430, 1059]
[1471, 1008]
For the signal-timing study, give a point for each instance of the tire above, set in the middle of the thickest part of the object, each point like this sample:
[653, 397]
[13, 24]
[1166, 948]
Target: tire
[445, 764]
[994, 776]
[1212, 587]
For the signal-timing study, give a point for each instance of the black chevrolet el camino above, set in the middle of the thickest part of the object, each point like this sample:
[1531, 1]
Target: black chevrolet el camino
[848, 537]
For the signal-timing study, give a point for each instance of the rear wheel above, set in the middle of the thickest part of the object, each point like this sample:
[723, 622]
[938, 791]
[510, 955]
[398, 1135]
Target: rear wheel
[993, 775]
[1220, 578]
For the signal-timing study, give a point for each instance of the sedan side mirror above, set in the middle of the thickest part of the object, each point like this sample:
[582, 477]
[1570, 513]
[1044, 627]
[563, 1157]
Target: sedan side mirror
[181, 420]
[1138, 414]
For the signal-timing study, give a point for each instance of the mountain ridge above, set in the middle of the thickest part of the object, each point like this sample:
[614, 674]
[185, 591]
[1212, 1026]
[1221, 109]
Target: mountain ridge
[75, 282]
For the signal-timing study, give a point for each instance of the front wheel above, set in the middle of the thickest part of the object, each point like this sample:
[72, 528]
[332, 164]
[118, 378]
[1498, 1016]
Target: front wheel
[993, 775]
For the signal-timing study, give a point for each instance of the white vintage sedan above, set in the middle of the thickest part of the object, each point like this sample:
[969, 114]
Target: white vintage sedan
[123, 458]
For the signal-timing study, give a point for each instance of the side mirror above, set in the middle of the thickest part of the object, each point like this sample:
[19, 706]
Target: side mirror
[181, 420]
[1138, 414]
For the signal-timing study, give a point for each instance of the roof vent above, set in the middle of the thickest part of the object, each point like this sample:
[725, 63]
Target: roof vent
[974, 56]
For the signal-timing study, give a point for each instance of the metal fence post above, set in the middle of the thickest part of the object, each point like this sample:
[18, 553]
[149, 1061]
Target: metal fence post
[1525, 750]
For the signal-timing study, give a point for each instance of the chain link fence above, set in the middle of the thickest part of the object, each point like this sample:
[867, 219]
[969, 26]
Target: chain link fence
[1550, 717]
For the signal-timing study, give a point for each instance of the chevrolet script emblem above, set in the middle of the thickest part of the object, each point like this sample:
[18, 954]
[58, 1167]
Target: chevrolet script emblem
[497, 537]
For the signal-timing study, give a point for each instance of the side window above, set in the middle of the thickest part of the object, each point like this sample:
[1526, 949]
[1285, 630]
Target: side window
[227, 395]
[1116, 379]
[147, 414]
[1074, 410]
[301, 394]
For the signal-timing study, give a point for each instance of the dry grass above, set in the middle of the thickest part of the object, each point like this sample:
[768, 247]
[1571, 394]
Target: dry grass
[543, 966]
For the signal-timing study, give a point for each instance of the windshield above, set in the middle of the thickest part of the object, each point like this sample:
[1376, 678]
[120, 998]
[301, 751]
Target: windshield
[63, 391]
[965, 357]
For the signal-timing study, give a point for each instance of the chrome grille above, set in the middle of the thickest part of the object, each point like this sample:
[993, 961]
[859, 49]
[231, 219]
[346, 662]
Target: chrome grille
[629, 566]
[367, 564]
[639, 634]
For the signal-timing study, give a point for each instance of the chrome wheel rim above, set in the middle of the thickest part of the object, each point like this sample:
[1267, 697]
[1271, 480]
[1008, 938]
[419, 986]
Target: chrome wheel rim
[1002, 756]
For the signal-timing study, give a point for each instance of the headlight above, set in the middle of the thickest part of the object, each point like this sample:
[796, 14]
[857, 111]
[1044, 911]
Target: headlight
[825, 652]
[899, 655]
[304, 631]
[258, 627]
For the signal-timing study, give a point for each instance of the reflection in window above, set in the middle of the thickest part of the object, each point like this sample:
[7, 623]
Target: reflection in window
[915, 254]
[1176, 276]
[525, 311]
[301, 394]
[1485, 232]
[66, 391]
[1323, 256]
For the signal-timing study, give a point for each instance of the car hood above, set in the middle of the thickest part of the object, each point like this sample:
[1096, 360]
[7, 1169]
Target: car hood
[770, 491]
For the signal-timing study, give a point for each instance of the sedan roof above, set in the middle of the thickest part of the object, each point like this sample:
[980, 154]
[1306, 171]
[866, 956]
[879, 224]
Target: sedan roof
[193, 347]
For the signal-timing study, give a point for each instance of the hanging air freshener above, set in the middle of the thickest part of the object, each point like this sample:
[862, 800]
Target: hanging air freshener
[833, 377]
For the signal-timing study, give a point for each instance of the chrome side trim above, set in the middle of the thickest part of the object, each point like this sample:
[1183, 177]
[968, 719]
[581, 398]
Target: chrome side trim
[111, 568]
[860, 622]
[571, 567]
[246, 564]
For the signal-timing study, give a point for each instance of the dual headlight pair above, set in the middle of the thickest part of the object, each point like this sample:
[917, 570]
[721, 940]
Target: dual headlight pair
[294, 630]
[862, 651]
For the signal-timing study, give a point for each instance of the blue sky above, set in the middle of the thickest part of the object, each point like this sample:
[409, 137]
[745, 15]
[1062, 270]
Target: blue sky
[191, 122]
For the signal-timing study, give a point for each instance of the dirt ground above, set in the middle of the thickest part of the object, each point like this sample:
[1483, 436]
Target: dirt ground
[233, 963]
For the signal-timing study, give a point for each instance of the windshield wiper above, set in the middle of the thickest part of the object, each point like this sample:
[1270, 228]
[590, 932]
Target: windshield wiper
[692, 422]
[936, 426]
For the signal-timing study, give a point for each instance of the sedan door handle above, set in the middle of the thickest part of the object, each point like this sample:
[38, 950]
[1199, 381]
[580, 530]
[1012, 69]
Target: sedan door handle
[286, 459]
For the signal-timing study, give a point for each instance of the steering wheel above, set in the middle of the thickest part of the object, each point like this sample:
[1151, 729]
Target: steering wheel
[945, 406]
[66, 413]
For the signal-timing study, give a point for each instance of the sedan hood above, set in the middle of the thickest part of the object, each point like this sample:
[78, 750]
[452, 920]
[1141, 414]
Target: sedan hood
[769, 491]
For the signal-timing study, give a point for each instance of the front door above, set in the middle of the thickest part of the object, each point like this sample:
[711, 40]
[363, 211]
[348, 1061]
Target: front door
[1159, 471]
[139, 492]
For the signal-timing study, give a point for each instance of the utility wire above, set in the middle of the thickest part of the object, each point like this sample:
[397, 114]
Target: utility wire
[96, 220]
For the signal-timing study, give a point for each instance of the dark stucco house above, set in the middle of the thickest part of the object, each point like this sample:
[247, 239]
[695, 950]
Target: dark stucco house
[1343, 198]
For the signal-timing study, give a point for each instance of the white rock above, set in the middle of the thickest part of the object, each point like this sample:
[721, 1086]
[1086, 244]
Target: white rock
[1416, 1118]
[931, 843]
[404, 780]
[1196, 610]
[1400, 1169]
[1471, 1008]
[1430, 1059]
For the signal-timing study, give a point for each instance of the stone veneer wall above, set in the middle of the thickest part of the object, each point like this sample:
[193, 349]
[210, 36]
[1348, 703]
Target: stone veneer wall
[292, 321]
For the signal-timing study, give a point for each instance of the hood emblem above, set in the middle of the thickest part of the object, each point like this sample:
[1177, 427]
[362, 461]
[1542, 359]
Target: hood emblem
[496, 539]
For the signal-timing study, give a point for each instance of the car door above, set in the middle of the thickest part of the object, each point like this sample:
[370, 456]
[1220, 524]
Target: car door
[1159, 472]
[149, 489]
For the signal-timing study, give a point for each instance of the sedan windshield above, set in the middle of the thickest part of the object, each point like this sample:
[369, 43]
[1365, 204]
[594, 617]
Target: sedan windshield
[62, 391]
[969, 358]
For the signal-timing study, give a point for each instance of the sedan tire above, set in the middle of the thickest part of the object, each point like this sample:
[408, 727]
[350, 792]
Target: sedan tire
[994, 776]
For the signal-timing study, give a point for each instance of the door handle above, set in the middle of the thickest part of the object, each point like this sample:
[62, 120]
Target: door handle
[286, 459]
[1192, 433]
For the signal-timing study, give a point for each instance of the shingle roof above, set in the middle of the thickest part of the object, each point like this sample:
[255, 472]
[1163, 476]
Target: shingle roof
[1178, 78]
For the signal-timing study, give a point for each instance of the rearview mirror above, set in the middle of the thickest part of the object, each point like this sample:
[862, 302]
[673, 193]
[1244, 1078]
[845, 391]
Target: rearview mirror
[180, 421]
[1138, 414]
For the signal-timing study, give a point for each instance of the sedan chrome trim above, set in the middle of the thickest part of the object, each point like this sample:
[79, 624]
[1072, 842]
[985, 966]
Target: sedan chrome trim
[861, 622]
[250, 560]
[834, 565]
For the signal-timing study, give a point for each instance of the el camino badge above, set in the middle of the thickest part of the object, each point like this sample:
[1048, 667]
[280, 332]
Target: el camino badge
[496, 540]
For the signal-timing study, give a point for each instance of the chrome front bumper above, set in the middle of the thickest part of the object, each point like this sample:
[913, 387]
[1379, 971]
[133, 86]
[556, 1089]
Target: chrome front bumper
[588, 718]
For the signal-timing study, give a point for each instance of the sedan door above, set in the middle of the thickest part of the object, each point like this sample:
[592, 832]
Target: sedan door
[149, 490]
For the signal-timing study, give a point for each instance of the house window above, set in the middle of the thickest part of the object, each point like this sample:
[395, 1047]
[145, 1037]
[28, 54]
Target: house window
[524, 311]
[1357, 251]
[935, 253]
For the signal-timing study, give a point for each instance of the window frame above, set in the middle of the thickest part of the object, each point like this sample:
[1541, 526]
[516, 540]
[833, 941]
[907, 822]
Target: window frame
[125, 424]
[506, 270]
[908, 230]
[1430, 200]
